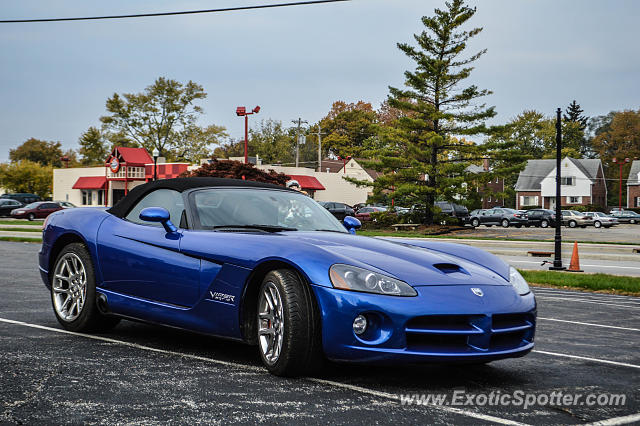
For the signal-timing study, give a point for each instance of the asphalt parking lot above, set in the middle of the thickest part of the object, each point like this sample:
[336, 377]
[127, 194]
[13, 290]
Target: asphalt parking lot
[623, 233]
[144, 374]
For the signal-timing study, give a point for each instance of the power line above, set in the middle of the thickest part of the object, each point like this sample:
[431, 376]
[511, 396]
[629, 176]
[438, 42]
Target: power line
[186, 12]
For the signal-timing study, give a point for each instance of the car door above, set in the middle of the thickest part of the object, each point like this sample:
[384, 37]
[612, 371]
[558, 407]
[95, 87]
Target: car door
[340, 211]
[487, 217]
[141, 259]
[534, 217]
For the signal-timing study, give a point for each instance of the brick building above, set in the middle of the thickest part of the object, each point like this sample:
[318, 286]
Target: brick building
[633, 185]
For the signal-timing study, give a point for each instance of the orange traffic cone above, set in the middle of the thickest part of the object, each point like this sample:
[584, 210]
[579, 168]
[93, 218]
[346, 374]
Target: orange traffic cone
[574, 266]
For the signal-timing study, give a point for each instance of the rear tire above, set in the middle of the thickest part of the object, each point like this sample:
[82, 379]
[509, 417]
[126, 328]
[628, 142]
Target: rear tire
[572, 224]
[289, 328]
[73, 292]
[597, 224]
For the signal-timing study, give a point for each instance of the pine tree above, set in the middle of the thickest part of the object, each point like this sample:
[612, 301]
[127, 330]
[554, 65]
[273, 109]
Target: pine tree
[574, 113]
[422, 160]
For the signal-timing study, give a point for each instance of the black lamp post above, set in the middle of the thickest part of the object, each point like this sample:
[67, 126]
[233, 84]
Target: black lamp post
[155, 154]
[557, 262]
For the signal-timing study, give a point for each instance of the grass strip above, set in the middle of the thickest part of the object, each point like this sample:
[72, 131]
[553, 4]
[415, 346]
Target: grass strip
[22, 239]
[20, 229]
[604, 283]
[20, 222]
[414, 234]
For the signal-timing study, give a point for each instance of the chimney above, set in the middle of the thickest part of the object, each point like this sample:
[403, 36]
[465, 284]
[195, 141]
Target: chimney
[485, 164]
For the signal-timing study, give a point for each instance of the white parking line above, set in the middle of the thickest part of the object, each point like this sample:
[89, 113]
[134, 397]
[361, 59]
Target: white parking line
[594, 266]
[588, 301]
[603, 361]
[589, 324]
[582, 298]
[578, 293]
[615, 421]
[359, 389]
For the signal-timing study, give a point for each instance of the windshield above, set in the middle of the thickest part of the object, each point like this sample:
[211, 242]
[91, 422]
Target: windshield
[32, 205]
[245, 207]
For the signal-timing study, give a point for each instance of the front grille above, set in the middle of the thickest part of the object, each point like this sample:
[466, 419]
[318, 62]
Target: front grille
[469, 333]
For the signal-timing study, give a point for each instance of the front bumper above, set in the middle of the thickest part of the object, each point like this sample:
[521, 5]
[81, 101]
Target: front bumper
[441, 324]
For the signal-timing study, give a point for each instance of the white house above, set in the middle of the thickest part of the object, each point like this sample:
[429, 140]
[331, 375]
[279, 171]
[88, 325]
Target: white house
[582, 183]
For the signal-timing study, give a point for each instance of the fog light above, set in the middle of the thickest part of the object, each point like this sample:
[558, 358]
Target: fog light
[359, 325]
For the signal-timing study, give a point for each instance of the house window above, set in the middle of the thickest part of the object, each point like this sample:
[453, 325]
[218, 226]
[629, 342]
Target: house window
[574, 200]
[637, 201]
[529, 200]
[568, 180]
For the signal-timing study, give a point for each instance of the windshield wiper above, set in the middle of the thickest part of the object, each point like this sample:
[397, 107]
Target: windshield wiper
[267, 228]
[330, 230]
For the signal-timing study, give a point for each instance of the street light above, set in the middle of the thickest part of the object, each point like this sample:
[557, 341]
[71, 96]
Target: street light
[242, 112]
[344, 162]
[621, 163]
[155, 154]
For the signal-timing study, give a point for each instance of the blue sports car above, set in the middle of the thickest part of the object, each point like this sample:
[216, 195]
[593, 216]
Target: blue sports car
[269, 266]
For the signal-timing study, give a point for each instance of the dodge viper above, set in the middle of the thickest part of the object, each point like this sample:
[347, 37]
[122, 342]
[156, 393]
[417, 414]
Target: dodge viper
[269, 266]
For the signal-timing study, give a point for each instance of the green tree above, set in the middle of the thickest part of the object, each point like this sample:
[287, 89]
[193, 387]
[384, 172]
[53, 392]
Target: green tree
[27, 176]
[272, 142]
[437, 105]
[575, 134]
[38, 151]
[348, 126]
[94, 147]
[196, 141]
[574, 113]
[162, 117]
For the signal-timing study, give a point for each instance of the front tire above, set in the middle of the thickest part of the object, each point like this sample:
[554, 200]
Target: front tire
[505, 223]
[544, 223]
[73, 292]
[31, 216]
[289, 330]
[475, 223]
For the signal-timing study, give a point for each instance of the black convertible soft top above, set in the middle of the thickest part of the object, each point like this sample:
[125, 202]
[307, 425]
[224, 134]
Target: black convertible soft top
[180, 185]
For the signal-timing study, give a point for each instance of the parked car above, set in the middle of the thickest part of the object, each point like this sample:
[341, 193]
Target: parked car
[541, 217]
[66, 204]
[339, 210]
[602, 219]
[38, 210]
[499, 216]
[461, 213]
[24, 198]
[572, 218]
[7, 205]
[364, 214]
[626, 216]
[235, 268]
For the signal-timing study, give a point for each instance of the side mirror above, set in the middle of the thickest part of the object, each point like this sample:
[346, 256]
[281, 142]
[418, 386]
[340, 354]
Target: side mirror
[158, 214]
[351, 223]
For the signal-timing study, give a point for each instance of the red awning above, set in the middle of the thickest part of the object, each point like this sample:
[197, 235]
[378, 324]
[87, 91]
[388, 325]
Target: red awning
[91, 182]
[308, 182]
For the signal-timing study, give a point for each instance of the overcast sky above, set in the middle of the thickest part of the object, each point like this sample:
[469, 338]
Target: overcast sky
[295, 61]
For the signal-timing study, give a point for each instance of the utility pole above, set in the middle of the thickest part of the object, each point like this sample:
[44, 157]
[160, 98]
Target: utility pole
[320, 147]
[299, 122]
[557, 262]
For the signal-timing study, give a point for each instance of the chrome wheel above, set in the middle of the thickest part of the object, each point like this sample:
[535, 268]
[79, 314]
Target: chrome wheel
[270, 322]
[69, 287]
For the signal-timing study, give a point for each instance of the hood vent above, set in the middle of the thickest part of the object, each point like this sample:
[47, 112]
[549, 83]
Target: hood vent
[449, 268]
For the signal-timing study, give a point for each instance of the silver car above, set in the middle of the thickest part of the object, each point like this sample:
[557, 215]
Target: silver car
[602, 219]
[572, 218]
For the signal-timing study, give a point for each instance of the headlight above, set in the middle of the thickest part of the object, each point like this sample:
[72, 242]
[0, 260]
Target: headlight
[519, 283]
[18, 211]
[348, 277]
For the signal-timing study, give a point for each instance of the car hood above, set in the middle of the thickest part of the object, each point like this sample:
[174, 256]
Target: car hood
[416, 265]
